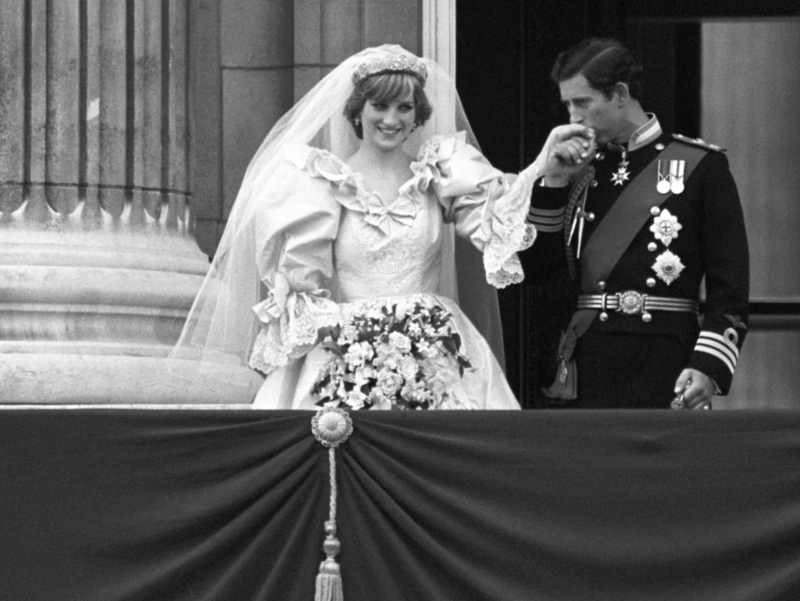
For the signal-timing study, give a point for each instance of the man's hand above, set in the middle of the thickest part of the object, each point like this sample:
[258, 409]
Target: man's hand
[697, 388]
[567, 149]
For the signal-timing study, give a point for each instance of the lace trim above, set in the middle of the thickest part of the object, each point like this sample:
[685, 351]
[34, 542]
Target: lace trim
[290, 333]
[510, 231]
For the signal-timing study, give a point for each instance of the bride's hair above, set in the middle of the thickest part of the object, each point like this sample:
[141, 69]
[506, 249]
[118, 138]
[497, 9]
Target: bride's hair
[387, 87]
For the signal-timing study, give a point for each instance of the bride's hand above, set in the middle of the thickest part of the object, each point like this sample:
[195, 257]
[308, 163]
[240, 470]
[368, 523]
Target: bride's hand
[567, 150]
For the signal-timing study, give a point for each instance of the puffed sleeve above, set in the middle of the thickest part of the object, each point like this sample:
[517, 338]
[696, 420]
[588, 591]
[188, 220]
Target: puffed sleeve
[488, 207]
[296, 259]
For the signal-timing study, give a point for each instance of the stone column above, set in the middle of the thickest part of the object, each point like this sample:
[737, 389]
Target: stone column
[98, 263]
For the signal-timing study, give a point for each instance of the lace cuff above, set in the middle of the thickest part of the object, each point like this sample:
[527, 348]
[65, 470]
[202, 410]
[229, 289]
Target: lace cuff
[289, 332]
[510, 231]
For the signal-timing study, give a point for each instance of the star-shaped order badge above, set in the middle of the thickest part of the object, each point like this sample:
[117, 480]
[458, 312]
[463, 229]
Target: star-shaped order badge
[668, 267]
[665, 227]
[621, 176]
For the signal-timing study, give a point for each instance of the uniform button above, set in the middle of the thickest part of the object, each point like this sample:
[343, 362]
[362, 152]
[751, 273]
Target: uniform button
[651, 282]
[655, 211]
[646, 317]
[589, 216]
[659, 146]
[593, 183]
[601, 285]
[652, 247]
[603, 316]
[599, 156]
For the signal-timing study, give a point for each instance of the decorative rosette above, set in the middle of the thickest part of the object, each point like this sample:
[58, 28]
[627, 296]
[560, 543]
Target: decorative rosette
[331, 426]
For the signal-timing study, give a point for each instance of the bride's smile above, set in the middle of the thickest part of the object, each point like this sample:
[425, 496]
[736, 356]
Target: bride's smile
[388, 124]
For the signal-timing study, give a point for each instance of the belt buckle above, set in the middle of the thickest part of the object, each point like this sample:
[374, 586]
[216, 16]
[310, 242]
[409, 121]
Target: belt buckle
[630, 302]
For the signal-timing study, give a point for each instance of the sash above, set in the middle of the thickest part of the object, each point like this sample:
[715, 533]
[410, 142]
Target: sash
[605, 247]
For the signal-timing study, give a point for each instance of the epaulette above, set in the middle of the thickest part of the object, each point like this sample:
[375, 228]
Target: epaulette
[698, 142]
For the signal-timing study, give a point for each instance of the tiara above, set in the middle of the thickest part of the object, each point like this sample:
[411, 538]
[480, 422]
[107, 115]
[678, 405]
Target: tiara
[407, 63]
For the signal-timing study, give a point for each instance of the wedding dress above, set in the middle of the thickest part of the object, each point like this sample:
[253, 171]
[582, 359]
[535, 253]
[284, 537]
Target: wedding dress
[344, 245]
[307, 243]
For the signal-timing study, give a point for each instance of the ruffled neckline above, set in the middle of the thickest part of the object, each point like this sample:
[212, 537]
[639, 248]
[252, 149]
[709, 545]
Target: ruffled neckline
[351, 192]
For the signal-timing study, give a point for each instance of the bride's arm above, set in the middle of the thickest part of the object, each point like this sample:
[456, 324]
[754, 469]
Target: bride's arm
[296, 269]
[488, 207]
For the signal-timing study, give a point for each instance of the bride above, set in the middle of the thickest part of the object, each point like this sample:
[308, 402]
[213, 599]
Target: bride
[348, 211]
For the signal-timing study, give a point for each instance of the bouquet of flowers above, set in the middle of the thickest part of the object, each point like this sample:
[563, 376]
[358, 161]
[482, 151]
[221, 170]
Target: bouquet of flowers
[391, 355]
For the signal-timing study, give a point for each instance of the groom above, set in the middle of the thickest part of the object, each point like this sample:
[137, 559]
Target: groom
[638, 218]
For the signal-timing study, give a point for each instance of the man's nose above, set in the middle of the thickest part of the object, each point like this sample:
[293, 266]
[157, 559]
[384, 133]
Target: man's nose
[575, 117]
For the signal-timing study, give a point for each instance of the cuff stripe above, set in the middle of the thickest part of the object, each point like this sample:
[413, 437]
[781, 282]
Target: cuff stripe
[718, 355]
[721, 342]
[702, 344]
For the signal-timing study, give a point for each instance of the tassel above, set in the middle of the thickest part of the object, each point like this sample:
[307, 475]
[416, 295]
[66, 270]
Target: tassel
[331, 426]
[329, 579]
[565, 386]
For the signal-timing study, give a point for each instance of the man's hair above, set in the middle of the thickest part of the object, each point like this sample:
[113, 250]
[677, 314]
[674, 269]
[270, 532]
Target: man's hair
[603, 62]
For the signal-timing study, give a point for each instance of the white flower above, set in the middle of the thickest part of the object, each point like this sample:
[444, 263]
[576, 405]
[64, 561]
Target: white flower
[400, 341]
[358, 353]
[414, 329]
[389, 382]
[363, 374]
[355, 399]
[379, 400]
[426, 348]
[668, 267]
[408, 367]
[387, 356]
[665, 227]
[348, 334]
[415, 392]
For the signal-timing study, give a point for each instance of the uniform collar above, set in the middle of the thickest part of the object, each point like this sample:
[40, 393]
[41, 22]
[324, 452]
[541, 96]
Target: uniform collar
[641, 137]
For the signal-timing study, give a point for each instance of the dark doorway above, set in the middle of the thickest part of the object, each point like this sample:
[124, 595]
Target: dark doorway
[504, 55]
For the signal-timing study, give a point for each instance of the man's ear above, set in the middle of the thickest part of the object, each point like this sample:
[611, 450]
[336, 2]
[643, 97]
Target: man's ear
[622, 92]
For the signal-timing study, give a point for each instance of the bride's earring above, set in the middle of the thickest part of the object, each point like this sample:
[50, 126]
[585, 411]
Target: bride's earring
[357, 122]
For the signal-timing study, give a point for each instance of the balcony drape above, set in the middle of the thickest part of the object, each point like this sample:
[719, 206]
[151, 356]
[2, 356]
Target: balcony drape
[113, 505]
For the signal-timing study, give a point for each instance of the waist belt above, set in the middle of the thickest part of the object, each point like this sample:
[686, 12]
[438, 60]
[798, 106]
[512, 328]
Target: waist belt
[632, 302]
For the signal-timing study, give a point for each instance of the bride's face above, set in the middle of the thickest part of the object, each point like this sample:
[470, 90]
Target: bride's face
[387, 124]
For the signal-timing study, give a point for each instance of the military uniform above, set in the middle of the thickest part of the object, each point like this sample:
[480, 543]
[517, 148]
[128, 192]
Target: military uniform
[636, 310]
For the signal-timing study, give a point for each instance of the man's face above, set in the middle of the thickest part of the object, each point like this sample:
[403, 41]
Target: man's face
[590, 107]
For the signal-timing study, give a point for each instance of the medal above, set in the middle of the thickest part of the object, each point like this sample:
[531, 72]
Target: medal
[676, 176]
[622, 175]
[662, 186]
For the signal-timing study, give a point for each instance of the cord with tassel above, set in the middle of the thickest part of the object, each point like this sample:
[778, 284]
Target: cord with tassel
[331, 427]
